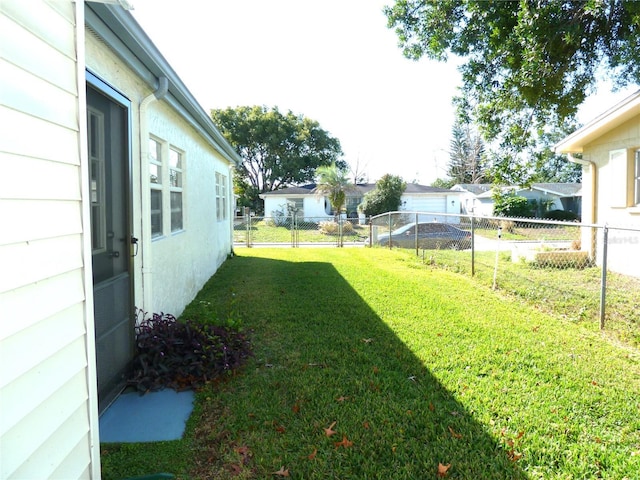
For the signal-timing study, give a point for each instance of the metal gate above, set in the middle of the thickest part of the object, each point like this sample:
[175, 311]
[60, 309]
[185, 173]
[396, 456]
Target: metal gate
[295, 230]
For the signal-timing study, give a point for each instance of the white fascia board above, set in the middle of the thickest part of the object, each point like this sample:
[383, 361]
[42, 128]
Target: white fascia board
[125, 36]
[609, 120]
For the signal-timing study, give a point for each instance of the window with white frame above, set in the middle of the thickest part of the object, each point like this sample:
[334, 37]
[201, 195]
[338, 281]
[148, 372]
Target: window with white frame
[221, 196]
[155, 181]
[176, 166]
[295, 205]
[166, 181]
[636, 183]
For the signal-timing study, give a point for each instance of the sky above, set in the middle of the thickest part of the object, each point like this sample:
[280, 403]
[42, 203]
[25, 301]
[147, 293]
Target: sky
[333, 61]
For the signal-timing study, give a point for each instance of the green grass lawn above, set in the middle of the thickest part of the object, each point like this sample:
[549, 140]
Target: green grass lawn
[413, 368]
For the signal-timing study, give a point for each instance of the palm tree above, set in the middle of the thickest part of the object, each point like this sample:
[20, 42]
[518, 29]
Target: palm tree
[334, 184]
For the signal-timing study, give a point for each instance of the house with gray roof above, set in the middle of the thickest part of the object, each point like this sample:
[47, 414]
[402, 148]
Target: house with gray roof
[478, 198]
[312, 207]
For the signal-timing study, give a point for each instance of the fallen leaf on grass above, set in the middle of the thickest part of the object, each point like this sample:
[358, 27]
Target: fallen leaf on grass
[443, 469]
[280, 429]
[513, 455]
[342, 398]
[313, 454]
[282, 472]
[295, 408]
[454, 434]
[366, 425]
[328, 431]
[344, 443]
[367, 340]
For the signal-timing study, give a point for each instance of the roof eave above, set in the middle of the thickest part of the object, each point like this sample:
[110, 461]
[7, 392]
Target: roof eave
[615, 116]
[118, 29]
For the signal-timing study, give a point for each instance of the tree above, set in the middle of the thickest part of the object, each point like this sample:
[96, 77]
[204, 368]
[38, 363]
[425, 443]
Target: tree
[508, 204]
[333, 183]
[443, 183]
[466, 157]
[358, 172]
[540, 164]
[550, 167]
[385, 197]
[277, 149]
[529, 64]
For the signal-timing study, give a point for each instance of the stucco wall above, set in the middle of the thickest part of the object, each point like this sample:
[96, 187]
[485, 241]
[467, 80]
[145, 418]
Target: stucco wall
[623, 246]
[184, 261]
[174, 267]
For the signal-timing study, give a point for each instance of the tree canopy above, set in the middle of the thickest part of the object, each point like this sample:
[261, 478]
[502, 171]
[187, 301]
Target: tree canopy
[385, 197]
[278, 149]
[528, 64]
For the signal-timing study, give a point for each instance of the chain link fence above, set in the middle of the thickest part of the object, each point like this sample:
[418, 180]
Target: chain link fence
[295, 231]
[585, 272]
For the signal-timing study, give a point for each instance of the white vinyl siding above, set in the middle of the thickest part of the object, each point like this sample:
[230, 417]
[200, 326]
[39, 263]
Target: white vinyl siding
[44, 348]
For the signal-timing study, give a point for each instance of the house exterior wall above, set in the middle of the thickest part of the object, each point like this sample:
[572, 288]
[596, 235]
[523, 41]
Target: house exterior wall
[172, 267]
[612, 155]
[313, 205]
[47, 351]
[183, 261]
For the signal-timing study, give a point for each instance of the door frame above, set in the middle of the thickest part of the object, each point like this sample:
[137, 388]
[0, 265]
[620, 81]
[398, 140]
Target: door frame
[114, 95]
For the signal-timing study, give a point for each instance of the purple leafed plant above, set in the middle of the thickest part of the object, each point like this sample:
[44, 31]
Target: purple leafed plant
[184, 354]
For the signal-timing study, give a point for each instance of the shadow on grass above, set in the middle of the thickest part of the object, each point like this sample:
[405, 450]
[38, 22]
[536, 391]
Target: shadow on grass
[325, 359]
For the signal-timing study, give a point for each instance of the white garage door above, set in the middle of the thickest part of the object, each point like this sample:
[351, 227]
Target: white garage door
[428, 205]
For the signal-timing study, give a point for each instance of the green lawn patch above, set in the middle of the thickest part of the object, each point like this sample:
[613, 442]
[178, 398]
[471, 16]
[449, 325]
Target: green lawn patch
[415, 369]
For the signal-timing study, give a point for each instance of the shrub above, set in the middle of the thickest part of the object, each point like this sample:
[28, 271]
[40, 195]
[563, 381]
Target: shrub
[509, 205]
[184, 354]
[332, 228]
[561, 215]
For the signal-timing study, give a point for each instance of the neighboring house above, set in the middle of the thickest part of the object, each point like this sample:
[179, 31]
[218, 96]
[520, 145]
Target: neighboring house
[475, 198]
[101, 144]
[478, 198]
[416, 198]
[610, 157]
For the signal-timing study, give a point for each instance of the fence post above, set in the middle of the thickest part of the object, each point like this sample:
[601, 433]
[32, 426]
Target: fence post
[247, 215]
[603, 279]
[294, 229]
[415, 236]
[495, 267]
[473, 249]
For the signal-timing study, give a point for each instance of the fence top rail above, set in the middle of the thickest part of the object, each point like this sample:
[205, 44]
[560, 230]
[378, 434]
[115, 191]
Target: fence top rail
[510, 219]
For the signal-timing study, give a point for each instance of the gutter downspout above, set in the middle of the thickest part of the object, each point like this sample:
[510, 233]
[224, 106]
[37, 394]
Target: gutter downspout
[145, 197]
[594, 185]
